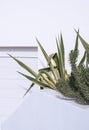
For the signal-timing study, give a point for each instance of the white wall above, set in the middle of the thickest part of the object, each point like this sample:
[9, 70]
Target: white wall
[22, 20]
[12, 85]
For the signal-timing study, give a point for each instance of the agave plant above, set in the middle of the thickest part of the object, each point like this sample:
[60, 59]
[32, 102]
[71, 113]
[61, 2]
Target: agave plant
[47, 77]
[73, 86]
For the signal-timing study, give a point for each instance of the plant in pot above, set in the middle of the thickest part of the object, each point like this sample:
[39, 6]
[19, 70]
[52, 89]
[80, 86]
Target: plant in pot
[73, 86]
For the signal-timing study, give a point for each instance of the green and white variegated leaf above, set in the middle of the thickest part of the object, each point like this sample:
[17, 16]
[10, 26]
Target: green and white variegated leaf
[61, 56]
[62, 49]
[82, 60]
[85, 45]
[31, 71]
[29, 88]
[34, 80]
[55, 58]
[48, 76]
[47, 69]
[76, 42]
[52, 67]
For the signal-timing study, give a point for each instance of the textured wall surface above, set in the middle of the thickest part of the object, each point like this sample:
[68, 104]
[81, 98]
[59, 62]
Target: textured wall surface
[12, 84]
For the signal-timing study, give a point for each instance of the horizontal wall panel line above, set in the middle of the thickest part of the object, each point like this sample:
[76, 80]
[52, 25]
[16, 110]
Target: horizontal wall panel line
[33, 49]
[19, 57]
[13, 86]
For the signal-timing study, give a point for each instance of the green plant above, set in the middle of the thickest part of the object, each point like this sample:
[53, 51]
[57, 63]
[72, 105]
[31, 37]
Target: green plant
[75, 85]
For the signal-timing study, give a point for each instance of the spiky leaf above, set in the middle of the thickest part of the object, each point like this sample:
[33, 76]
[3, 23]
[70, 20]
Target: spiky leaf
[31, 71]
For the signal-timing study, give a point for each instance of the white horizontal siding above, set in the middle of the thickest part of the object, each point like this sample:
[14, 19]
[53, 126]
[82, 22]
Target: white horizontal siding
[12, 84]
[18, 51]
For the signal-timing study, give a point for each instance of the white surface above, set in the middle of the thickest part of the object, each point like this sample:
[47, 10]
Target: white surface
[13, 85]
[40, 111]
[22, 20]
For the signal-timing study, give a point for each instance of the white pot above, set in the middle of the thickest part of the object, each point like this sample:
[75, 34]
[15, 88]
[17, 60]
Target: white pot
[43, 111]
